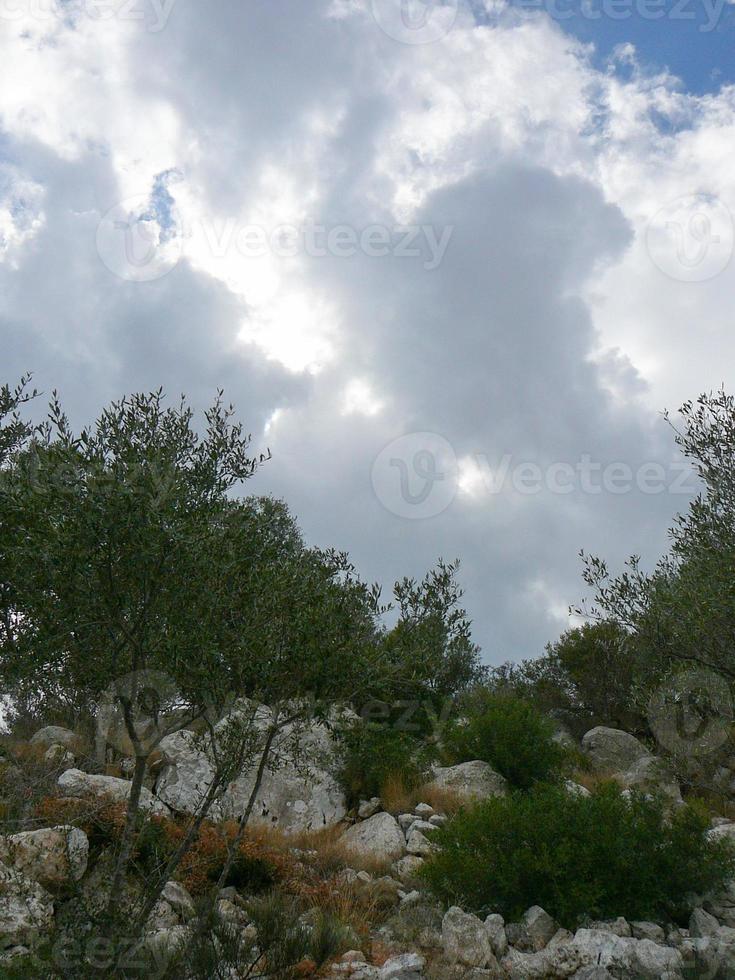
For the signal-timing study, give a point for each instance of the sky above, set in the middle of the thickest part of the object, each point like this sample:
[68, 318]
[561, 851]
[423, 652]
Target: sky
[450, 261]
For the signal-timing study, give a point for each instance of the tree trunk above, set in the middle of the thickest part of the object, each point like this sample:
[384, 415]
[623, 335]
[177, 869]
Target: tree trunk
[208, 906]
[126, 845]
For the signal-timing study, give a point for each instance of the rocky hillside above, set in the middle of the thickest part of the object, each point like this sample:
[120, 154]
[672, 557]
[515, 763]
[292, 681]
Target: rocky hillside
[351, 880]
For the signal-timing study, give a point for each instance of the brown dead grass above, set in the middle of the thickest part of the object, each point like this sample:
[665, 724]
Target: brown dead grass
[323, 850]
[443, 800]
[396, 796]
[398, 799]
[591, 780]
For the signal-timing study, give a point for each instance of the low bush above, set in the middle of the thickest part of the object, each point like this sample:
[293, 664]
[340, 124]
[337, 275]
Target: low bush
[511, 735]
[256, 868]
[600, 856]
[375, 757]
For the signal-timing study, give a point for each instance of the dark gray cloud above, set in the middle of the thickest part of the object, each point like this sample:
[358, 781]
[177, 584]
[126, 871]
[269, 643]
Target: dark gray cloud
[288, 113]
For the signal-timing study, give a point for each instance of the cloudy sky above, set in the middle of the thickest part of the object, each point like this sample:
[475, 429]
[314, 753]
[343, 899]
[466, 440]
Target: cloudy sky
[449, 260]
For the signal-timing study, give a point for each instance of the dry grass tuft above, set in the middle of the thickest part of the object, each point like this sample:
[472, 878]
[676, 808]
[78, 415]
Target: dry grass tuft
[396, 796]
[443, 800]
[591, 780]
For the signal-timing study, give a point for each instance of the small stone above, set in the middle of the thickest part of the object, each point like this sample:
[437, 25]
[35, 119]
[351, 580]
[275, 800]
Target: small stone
[418, 845]
[407, 966]
[59, 757]
[353, 956]
[407, 868]
[424, 811]
[576, 789]
[438, 819]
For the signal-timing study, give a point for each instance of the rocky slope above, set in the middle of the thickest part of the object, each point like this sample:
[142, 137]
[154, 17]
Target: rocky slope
[416, 939]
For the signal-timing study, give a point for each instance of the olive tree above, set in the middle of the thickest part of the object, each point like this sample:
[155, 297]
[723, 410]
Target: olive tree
[137, 574]
[683, 613]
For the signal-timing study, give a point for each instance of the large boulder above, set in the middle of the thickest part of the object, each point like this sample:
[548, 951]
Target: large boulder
[26, 909]
[298, 790]
[289, 798]
[556, 962]
[54, 857]
[379, 837]
[702, 924]
[539, 928]
[721, 904]
[624, 956]
[417, 843]
[466, 940]
[712, 956]
[54, 735]
[476, 780]
[495, 928]
[185, 774]
[651, 775]
[83, 785]
[611, 750]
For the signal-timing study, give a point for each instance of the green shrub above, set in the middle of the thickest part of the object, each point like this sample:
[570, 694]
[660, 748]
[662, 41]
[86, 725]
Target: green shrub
[509, 734]
[374, 754]
[599, 856]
